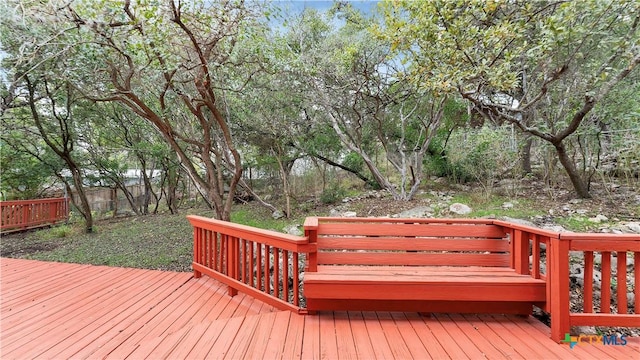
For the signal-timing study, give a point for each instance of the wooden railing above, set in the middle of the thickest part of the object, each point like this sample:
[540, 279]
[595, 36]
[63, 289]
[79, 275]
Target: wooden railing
[27, 214]
[261, 263]
[605, 245]
[551, 257]
[265, 264]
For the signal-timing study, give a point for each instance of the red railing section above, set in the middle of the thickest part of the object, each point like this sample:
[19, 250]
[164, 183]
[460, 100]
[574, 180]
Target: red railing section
[550, 258]
[262, 263]
[27, 214]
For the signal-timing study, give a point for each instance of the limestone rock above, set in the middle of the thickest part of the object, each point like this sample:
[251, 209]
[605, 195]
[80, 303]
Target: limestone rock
[416, 212]
[293, 230]
[460, 209]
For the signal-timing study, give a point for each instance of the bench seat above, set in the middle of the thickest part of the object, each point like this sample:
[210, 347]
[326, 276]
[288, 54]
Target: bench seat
[425, 289]
[419, 265]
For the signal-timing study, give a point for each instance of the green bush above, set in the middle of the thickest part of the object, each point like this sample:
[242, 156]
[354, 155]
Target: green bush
[56, 232]
[332, 194]
[484, 154]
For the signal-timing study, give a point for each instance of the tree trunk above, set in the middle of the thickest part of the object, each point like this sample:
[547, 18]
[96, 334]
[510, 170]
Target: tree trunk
[578, 183]
[525, 155]
[85, 208]
[172, 185]
[285, 186]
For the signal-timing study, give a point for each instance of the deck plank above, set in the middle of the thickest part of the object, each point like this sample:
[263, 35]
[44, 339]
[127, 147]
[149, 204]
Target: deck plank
[411, 338]
[344, 336]
[496, 341]
[328, 344]
[292, 348]
[376, 333]
[131, 313]
[361, 338]
[311, 339]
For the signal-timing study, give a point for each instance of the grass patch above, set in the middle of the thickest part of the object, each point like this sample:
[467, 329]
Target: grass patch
[260, 218]
[576, 223]
[484, 206]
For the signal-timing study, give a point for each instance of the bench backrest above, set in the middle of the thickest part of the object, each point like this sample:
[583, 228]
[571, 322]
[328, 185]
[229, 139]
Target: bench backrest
[409, 242]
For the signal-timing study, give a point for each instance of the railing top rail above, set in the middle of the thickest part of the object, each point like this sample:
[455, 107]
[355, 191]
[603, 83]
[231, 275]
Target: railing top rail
[529, 229]
[599, 236]
[397, 220]
[267, 236]
[31, 201]
[311, 223]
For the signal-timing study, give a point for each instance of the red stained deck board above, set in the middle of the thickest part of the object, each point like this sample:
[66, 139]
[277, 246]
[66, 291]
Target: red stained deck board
[277, 337]
[344, 336]
[35, 293]
[201, 348]
[78, 327]
[292, 348]
[220, 348]
[377, 335]
[241, 341]
[461, 338]
[69, 310]
[311, 339]
[113, 332]
[149, 314]
[590, 351]
[429, 339]
[399, 348]
[449, 343]
[410, 337]
[478, 340]
[521, 344]
[328, 344]
[260, 339]
[361, 337]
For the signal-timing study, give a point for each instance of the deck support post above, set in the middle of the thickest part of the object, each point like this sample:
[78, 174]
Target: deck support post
[232, 262]
[311, 231]
[559, 273]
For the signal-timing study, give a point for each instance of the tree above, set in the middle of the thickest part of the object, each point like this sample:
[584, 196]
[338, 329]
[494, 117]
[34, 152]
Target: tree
[357, 87]
[542, 66]
[173, 64]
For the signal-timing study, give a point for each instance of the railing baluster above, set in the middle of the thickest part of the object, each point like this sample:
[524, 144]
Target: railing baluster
[214, 242]
[223, 253]
[212, 239]
[259, 267]
[267, 275]
[243, 261]
[285, 272]
[276, 272]
[296, 280]
[588, 282]
[621, 283]
[605, 305]
[535, 266]
[251, 263]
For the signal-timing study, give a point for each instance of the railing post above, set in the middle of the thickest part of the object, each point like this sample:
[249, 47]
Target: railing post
[521, 255]
[25, 215]
[232, 262]
[559, 276]
[197, 249]
[512, 247]
[311, 231]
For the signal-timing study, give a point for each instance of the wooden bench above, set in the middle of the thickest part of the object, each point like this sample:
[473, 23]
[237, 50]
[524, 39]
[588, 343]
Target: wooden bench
[425, 265]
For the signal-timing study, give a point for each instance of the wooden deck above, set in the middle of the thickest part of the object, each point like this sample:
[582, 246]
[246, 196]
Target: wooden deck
[55, 310]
